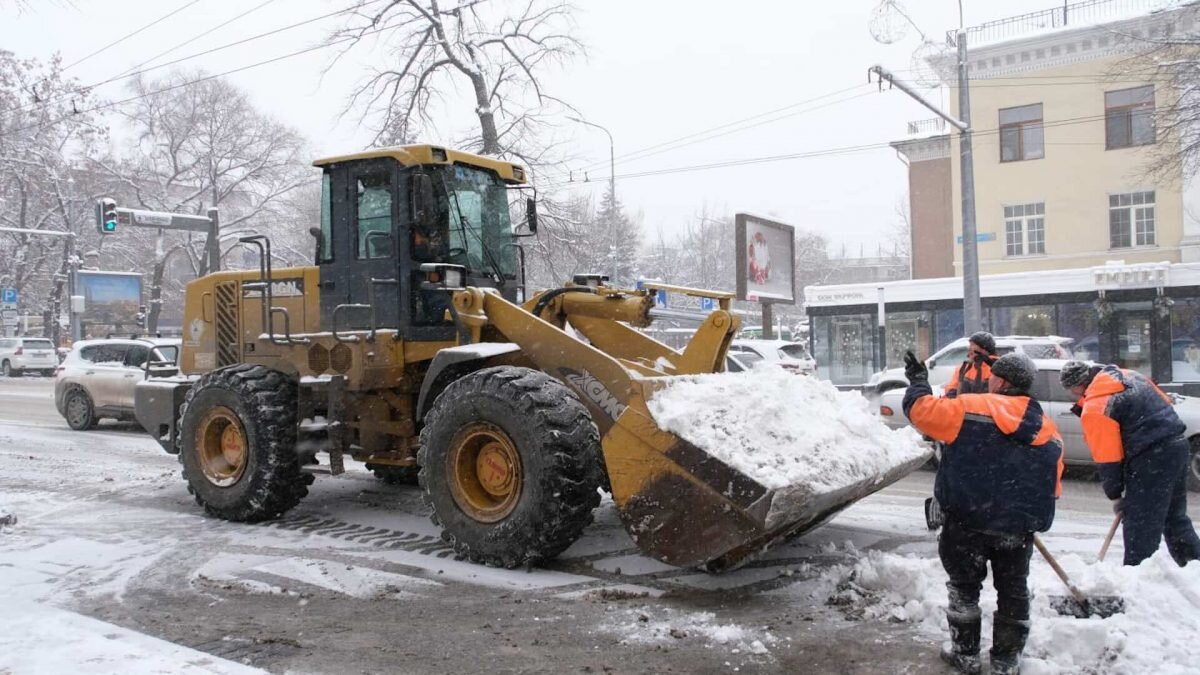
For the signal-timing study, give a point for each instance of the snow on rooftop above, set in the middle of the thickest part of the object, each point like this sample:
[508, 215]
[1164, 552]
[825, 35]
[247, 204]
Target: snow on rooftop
[783, 429]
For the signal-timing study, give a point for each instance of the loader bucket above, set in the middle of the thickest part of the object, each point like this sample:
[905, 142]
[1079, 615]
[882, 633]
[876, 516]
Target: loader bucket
[688, 508]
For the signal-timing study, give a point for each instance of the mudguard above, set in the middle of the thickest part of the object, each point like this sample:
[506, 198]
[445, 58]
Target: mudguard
[454, 362]
[156, 406]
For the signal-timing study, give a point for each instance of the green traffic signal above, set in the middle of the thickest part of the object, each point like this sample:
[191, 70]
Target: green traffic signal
[106, 216]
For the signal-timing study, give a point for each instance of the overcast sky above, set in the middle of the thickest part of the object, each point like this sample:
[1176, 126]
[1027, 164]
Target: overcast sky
[655, 71]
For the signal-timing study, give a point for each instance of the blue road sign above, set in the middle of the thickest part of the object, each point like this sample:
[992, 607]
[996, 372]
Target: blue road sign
[661, 299]
[8, 296]
[707, 304]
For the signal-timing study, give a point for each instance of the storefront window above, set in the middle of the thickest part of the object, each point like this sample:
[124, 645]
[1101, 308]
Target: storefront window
[844, 347]
[908, 331]
[1035, 320]
[949, 327]
[1079, 321]
[1185, 340]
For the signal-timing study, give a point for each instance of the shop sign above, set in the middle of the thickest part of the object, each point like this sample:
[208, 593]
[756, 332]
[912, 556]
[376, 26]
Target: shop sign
[1145, 275]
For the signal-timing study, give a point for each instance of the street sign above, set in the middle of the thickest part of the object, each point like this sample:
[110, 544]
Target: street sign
[707, 304]
[8, 316]
[8, 296]
[661, 299]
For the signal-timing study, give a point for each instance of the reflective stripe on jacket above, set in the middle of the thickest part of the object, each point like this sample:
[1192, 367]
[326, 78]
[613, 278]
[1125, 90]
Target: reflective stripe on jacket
[1001, 467]
[969, 378]
[1124, 413]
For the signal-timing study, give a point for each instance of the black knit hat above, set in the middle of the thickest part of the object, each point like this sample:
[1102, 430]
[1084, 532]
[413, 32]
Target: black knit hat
[1016, 369]
[984, 341]
[1077, 373]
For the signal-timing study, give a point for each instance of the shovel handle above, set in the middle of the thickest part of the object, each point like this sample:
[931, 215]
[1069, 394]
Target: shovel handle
[1109, 537]
[1062, 574]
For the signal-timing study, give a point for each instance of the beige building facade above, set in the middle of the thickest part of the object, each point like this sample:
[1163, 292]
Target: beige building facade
[1064, 139]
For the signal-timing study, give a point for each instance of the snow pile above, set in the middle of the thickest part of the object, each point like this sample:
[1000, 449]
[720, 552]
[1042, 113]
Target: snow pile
[1155, 634]
[640, 628]
[783, 429]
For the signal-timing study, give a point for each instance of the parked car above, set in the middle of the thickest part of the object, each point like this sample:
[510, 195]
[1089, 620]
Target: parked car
[947, 359]
[18, 355]
[98, 377]
[790, 355]
[1056, 404]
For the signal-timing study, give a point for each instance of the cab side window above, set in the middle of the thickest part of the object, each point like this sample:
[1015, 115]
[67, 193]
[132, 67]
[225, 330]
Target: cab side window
[373, 214]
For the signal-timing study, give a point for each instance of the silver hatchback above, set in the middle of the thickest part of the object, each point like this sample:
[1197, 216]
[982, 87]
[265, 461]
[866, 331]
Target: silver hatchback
[98, 377]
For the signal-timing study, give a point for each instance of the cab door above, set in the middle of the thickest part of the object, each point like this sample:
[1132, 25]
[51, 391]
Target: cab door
[362, 237]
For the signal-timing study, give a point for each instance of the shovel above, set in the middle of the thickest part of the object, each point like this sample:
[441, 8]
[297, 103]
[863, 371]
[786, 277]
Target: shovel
[1108, 539]
[1077, 604]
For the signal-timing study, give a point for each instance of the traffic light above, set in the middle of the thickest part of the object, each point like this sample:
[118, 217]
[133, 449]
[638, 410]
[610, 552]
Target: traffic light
[106, 216]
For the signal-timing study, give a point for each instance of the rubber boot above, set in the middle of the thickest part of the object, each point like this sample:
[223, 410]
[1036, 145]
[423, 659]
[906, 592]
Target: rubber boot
[1008, 640]
[963, 655]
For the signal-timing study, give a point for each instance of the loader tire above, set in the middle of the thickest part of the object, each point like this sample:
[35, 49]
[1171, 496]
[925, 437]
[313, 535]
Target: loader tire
[508, 466]
[237, 443]
[395, 475]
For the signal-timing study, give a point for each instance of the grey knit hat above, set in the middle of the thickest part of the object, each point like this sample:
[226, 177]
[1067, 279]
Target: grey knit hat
[1077, 373]
[1016, 369]
[984, 341]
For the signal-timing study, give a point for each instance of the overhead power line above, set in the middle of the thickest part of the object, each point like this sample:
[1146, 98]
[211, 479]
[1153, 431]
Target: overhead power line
[119, 40]
[189, 57]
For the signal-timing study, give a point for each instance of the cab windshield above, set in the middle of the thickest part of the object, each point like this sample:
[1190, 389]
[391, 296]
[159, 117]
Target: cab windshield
[476, 202]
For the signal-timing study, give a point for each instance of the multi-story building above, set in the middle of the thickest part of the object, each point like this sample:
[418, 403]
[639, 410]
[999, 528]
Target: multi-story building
[1064, 139]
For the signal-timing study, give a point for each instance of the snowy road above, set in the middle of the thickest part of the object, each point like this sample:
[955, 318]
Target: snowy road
[110, 552]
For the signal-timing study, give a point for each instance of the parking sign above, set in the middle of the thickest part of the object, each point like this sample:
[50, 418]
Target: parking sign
[707, 304]
[8, 296]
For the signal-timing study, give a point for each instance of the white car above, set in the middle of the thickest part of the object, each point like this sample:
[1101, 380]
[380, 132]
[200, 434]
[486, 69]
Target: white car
[946, 360]
[98, 377]
[18, 355]
[1056, 404]
[790, 355]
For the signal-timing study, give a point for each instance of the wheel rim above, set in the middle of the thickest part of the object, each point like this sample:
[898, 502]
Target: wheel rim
[77, 410]
[221, 446]
[485, 472]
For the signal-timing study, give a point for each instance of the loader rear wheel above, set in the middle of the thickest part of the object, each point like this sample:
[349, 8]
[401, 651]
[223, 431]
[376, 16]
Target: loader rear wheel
[395, 475]
[237, 438]
[508, 466]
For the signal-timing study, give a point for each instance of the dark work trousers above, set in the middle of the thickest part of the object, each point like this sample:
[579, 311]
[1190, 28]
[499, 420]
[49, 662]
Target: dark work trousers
[1156, 504]
[966, 553]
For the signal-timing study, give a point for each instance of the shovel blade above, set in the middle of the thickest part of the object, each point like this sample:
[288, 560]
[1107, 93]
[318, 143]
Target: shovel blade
[1098, 606]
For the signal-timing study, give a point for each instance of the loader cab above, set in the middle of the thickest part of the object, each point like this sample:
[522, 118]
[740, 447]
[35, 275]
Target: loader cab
[384, 213]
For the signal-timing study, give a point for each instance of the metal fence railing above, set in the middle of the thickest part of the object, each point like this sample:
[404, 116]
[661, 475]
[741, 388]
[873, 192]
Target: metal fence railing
[1083, 13]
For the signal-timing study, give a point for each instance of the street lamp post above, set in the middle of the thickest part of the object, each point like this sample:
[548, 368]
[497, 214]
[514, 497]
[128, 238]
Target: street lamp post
[612, 188]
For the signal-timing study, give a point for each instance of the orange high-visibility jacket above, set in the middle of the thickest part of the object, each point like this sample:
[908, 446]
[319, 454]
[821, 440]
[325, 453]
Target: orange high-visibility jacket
[969, 378]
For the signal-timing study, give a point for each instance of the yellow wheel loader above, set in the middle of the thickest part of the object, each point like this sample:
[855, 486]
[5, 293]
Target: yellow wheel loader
[409, 346]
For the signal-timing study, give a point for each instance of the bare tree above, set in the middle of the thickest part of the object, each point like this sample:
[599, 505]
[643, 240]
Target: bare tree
[44, 138]
[497, 52]
[200, 144]
[900, 234]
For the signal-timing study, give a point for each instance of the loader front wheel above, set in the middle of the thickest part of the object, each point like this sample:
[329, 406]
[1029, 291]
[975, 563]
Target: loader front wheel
[508, 466]
[236, 440]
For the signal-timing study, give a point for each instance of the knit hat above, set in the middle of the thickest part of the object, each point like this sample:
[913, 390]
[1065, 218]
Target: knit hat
[1016, 369]
[1077, 373]
[984, 341]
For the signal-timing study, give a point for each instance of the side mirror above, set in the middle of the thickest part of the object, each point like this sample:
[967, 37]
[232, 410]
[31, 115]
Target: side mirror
[930, 363]
[531, 214]
[422, 201]
[316, 235]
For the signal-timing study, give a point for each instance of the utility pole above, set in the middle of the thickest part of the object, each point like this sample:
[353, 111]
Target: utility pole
[612, 189]
[972, 312]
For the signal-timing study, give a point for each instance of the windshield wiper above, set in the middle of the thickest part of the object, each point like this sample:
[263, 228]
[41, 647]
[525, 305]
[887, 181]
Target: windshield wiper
[464, 224]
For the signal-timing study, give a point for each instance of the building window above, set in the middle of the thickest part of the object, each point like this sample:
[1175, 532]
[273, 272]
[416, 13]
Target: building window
[1129, 117]
[1131, 220]
[1025, 229]
[1021, 133]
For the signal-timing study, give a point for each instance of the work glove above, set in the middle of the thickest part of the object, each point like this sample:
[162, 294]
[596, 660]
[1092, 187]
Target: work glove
[914, 370]
[1118, 505]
